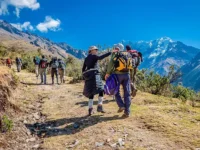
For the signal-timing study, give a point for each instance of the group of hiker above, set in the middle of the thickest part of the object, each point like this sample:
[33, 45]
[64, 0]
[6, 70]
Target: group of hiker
[18, 62]
[57, 67]
[121, 70]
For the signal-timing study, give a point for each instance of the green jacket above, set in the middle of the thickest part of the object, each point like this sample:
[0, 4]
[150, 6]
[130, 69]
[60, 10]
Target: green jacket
[111, 68]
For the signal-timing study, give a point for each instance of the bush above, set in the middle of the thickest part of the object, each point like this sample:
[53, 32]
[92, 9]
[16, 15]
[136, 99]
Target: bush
[6, 124]
[74, 68]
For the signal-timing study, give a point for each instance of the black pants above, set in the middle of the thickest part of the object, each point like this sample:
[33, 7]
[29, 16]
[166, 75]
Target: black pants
[54, 72]
[100, 94]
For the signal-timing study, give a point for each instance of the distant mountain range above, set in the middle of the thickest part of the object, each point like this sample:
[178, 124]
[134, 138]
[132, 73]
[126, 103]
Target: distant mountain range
[158, 54]
[9, 32]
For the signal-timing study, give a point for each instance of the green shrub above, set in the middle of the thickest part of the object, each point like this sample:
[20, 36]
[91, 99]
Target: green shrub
[6, 124]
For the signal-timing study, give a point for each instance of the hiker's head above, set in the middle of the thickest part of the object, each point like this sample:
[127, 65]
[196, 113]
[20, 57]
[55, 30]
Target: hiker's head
[119, 47]
[43, 56]
[93, 50]
[128, 47]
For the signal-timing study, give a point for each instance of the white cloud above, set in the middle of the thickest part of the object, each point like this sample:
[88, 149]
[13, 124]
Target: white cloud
[49, 24]
[18, 4]
[24, 26]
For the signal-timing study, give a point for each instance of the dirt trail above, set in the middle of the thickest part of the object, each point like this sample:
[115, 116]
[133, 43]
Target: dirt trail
[60, 121]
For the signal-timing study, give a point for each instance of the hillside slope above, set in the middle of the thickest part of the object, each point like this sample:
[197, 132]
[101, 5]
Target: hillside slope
[191, 73]
[59, 120]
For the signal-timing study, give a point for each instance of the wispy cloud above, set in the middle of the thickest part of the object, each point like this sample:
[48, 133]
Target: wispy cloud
[18, 4]
[24, 26]
[49, 24]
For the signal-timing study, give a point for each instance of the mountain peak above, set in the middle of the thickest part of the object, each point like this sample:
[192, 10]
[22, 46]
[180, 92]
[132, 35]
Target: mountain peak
[165, 39]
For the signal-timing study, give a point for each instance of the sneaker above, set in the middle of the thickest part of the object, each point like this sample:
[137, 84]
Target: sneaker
[90, 111]
[121, 109]
[125, 115]
[100, 109]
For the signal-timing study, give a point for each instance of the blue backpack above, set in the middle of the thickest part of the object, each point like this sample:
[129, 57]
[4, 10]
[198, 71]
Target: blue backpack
[37, 60]
[112, 85]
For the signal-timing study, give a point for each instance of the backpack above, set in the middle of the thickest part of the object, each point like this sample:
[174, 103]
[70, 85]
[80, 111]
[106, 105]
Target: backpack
[8, 61]
[55, 64]
[37, 60]
[43, 64]
[136, 58]
[123, 61]
[18, 61]
[112, 85]
[62, 65]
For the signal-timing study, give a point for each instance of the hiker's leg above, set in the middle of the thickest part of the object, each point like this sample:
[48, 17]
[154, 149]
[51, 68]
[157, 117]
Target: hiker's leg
[100, 101]
[134, 78]
[36, 70]
[56, 75]
[127, 93]
[41, 75]
[118, 97]
[45, 76]
[52, 75]
[90, 105]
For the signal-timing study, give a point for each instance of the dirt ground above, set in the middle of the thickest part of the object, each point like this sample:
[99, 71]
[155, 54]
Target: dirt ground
[59, 120]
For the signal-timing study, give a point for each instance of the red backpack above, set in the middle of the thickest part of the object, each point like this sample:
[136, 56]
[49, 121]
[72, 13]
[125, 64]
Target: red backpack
[8, 61]
[137, 59]
[43, 64]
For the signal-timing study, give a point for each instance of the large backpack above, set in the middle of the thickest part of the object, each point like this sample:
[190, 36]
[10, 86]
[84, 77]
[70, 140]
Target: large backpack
[37, 60]
[112, 85]
[55, 64]
[8, 61]
[123, 61]
[43, 63]
[18, 61]
[62, 65]
[136, 58]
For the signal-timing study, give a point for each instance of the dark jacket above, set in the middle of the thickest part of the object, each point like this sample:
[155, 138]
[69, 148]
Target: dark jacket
[93, 82]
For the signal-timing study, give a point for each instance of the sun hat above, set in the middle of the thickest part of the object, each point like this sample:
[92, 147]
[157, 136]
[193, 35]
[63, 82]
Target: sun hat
[119, 46]
[92, 48]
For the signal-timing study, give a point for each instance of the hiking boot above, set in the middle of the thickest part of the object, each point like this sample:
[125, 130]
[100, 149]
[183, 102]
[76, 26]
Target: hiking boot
[121, 109]
[90, 111]
[134, 92]
[125, 115]
[100, 109]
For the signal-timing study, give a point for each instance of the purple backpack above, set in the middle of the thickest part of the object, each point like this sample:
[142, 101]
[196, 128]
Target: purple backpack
[112, 85]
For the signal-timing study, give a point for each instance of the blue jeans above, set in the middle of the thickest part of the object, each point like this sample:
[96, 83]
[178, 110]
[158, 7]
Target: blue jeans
[124, 80]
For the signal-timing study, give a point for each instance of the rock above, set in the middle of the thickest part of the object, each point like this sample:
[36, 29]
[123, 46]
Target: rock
[99, 144]
[36, 115]
[25, 121]
[76, 142]
[121, 142]
[108, 140]
[113, 145]
[31, 140]
[36, 146]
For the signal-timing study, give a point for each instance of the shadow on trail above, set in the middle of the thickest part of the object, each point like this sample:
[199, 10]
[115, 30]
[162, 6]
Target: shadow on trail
[85, 103]
[36, 84]
[67, 126]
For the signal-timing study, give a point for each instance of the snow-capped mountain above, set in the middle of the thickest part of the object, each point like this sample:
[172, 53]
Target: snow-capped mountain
[161, 53]
[10, 33]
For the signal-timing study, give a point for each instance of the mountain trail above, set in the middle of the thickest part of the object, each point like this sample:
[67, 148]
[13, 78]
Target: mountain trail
[60, 120]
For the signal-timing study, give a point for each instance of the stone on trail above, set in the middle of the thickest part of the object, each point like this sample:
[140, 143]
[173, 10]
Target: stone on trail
[97, 144]
[31, 139]
[76, 142]
[37, 146]
[36, 115]
[121, 142]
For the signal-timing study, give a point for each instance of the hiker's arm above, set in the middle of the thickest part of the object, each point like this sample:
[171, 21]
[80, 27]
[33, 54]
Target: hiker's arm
[110, 68]
[84, 67]
[103, 56]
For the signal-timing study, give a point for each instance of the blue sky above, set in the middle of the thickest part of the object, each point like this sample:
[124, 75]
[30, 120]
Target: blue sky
[82, 23]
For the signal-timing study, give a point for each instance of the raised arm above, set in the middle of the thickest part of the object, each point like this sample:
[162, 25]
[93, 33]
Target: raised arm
[103, 56]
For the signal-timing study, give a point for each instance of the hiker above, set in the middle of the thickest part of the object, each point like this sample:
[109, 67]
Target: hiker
[120, 65]
[18, 63]
[93, 82]
[61, 70]
[36, 61]
[137, 59]
[43, 64]
[54, 69]
[9, 62]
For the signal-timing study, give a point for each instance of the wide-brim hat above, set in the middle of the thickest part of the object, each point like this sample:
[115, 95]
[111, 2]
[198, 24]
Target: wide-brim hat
[92, 48]
[119, 46]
